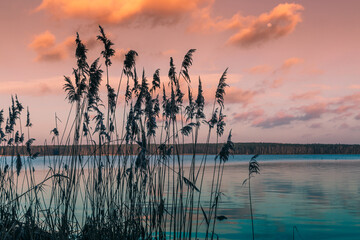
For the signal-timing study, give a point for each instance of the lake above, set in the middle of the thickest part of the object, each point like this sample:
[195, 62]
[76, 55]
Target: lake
[317, 194]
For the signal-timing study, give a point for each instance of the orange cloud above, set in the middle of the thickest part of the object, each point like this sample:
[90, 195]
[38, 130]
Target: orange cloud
[43, 41]
[288, 63]
[260, 69]
[47, 50]
[281, 21]
[120, 54]
[238, 95]
[120, 11]
[283, 70]
[251, 30]
[53, 54]
[233, 94]
[203, 22]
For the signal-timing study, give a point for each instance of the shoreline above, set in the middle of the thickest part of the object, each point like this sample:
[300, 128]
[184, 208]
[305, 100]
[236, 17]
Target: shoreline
[188, 149]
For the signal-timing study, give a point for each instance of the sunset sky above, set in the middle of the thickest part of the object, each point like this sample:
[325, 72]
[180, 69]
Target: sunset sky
[294, 67]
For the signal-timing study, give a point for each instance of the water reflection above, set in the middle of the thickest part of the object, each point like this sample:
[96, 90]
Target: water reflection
[318, 194]
[321, 198]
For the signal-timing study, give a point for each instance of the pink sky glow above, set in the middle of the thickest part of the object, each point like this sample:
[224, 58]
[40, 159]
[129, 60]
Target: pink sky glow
[294, 67]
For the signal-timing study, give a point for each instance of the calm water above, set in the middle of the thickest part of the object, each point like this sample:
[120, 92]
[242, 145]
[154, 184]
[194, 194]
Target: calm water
[319, 194]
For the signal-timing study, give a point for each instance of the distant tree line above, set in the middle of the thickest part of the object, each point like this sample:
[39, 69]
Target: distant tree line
[240, 148]
[284, 148]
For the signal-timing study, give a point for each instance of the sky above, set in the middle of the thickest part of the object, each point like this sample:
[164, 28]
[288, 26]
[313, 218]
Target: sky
[293, 67]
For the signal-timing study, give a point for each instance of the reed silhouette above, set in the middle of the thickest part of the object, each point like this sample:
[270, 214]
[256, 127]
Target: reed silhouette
[140, 190]
[254, 168]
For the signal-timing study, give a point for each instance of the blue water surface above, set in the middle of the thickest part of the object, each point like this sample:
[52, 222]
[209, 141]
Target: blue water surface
[294, 196]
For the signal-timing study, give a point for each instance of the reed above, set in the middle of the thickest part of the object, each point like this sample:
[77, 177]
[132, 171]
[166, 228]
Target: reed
[142, 189]
[254, 168]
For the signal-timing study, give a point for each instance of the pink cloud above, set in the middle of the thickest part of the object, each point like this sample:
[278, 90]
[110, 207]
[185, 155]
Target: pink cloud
[288, 63]
[316, 125]
[344, 126]
[47, 50]
[233, 95]
[279, 119]
[340, 109]
[305, 95]
[355, 98]
[280, 22]
[313, 71]
[283, 70]
[279, 74]
[343, 109]
[313, 111]
[53, 54]
[354, 86]
[277, 82]
[345, 104]
[169, 52]
[320, 86]
[238, 95]
[306, 113]
[260, 69]
[248, 116]
[203, 22]
[120, 54]
[44, 40]
[251, 30]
